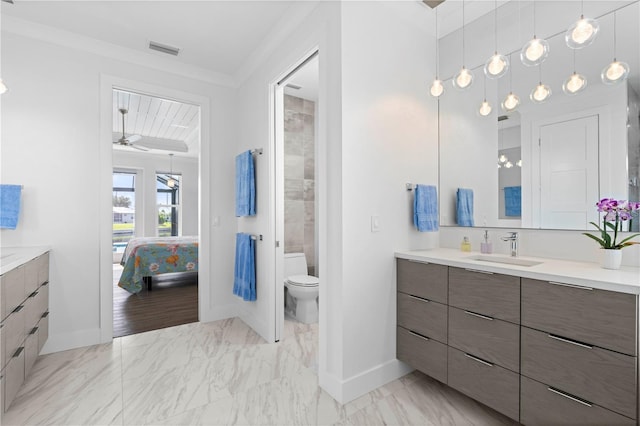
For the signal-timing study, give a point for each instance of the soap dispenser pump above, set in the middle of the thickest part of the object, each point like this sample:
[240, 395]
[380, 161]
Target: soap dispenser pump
[486, 247]
[466, 245]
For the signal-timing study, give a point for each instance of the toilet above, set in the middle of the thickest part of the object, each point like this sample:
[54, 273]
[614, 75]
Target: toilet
[302, 289]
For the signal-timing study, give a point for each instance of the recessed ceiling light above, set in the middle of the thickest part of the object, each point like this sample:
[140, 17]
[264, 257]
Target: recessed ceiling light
[164, 48]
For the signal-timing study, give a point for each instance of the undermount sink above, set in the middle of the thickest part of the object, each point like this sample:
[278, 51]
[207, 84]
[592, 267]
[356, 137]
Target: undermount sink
[506, 260]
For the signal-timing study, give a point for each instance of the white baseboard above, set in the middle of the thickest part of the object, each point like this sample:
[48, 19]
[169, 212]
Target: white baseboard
[220, 313]
[257, 325]
[72, 340]
[354, 387]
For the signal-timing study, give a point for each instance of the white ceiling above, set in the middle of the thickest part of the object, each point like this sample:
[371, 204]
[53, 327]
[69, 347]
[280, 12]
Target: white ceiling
[307, 79]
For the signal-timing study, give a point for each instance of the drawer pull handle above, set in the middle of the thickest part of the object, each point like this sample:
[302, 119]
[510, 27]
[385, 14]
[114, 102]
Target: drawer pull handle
[33, 330]
[18, 352]
[573, 342]
[34, 294]
[479, 271]
[478, 315]
[422, 299]
[418, 261]
[481, 361]
[581, 287]
[419, 335]
[18, 309]
[46, 314]
[566, 395]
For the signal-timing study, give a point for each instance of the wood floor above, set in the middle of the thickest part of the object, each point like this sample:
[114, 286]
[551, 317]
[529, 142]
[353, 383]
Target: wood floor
[173, 301]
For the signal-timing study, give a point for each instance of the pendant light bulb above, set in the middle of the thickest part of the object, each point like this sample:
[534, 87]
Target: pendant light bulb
[540, 93]
[437, 88]
[171, 182]
[503, 158]
[576, 83]
[582, 33]
[496, 66]
[463, 79]
[3, 87]
[615, 72]
[534, 52]
[511, 102]
[485, 108]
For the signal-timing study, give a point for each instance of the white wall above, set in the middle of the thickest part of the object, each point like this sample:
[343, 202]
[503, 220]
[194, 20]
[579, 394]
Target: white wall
[51, 144]
[148, 165]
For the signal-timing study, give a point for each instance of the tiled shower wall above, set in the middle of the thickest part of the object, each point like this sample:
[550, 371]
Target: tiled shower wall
[299, 184]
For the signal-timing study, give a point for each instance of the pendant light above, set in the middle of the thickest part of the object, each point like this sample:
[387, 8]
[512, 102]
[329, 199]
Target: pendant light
[541, 92]
[616, 71]
[170, 182]
[582, 32]
[485, 107]
[511, 101]
[497, 65]
[3, 87]
[575, 83]
[536, 50]
[437, 88]
[464, 78]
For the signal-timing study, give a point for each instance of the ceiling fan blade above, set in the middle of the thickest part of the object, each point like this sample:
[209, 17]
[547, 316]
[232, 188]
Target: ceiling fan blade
[134, 138]
[139, 148]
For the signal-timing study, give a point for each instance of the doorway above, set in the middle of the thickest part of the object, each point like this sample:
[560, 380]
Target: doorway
[296, 147]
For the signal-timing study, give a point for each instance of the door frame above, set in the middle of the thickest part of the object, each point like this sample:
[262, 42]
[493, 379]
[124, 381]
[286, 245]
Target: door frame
[107, 84]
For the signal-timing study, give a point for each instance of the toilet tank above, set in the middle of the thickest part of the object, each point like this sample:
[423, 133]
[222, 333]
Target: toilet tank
[295, 264]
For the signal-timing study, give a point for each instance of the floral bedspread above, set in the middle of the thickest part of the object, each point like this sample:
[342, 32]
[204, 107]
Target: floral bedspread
[146, 257]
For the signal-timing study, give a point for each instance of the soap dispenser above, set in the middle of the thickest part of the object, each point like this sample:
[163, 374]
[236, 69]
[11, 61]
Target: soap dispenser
[466, 245]
[486, 247]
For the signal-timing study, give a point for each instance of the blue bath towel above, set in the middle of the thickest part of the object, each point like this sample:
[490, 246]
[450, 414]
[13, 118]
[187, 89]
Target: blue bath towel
[245, 185]
[9, 205]
[464, 207]
[244, 282]
[425, 208]
[513, 201]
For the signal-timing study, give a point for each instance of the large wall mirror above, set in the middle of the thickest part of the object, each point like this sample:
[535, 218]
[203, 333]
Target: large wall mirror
[544, 165]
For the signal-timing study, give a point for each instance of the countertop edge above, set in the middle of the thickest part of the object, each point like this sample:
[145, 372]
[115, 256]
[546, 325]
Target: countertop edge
[20, 256]
[624, 280]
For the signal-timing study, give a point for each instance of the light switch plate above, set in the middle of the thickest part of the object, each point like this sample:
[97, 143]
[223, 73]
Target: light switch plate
[375, 223]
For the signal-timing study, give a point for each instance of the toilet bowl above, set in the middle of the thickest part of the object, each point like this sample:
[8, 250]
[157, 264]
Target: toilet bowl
[302, 288]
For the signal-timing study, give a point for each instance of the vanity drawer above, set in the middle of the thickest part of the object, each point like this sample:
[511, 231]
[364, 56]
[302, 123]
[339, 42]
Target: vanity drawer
[43, 331]
[487, 383]
[12, 290]
[424, 354]
[598, 375]
[544, 405]
[30, 277]
[486, 293]
[13, 376]
[493, 340]
[598, 317]
[42, 300]
[31, 314]
[43, 268]
[30, 350]
[423, 316]
[424, 280]
[13, 332]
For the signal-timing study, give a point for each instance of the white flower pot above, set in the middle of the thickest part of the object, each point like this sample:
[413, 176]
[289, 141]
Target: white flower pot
[611, 259]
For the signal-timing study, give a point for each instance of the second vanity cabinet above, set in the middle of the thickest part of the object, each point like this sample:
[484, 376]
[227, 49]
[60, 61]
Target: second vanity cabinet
[539, 352]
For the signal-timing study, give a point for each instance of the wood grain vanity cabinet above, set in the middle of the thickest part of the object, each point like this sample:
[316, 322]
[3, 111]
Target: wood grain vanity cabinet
[540, 352]
[25, 325]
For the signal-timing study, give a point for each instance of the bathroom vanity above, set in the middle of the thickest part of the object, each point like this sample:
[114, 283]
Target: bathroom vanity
[543, 342]
[24, 310]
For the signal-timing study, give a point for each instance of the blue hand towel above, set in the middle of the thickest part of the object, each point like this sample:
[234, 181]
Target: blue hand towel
[513, 201]
[425, 208]
[245, 185]
[464, 207]
[9, 205]
[244, 283]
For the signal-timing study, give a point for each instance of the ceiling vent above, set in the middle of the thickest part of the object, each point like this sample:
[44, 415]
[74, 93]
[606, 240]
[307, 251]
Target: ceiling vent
[432, 3]
[503, 117]
[164, 48]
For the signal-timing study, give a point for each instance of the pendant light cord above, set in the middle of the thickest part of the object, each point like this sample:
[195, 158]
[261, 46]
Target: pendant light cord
[462, 33]
[534, 18]
[615, 54]
[495, 25]
[574, 60]
[437, 49]
[510, 76]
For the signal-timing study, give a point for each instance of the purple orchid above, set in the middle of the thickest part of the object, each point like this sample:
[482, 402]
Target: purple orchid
[615, 212]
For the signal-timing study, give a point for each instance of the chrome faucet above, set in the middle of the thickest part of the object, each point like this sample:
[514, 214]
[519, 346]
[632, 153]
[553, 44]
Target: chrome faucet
[513, 238]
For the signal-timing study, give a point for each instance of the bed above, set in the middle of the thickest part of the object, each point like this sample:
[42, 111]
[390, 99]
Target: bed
[148, 256]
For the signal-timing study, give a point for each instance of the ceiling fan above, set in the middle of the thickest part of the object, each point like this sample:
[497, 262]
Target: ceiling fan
[131, 139]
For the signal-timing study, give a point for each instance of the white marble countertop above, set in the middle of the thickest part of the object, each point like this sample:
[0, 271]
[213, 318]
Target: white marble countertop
[624, 280]
[12, 257]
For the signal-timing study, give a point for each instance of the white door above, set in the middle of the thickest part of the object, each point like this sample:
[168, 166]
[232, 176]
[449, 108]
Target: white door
[569, 173]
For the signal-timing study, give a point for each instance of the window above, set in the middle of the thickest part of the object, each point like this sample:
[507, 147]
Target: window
[168, 200]
[124, 213]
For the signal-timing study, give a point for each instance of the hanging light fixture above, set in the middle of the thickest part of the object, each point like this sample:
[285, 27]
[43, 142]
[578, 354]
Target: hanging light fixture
[497, 65]
[485, 107]
[536, 50]
[616, 71]
[464, 78]
[437, 88]
[582, 32]
[511, 101]
[575, 83]
[3, 87]
[541, 92]
[171, 182]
